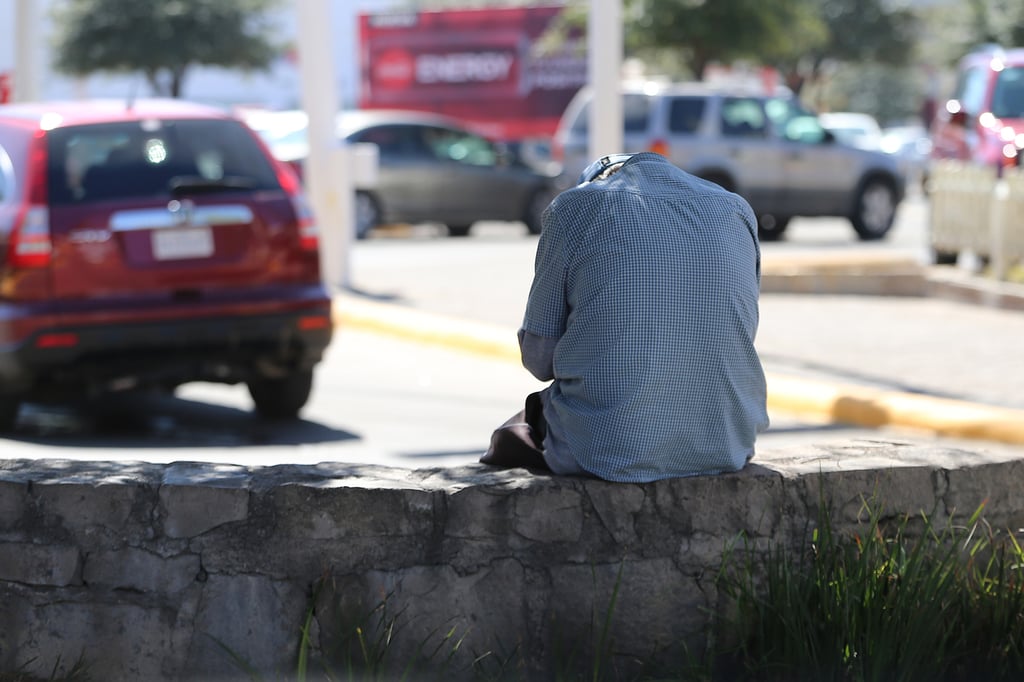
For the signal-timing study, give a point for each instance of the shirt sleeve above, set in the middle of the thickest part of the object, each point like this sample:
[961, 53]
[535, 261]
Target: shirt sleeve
[538, 354]
[546, 307]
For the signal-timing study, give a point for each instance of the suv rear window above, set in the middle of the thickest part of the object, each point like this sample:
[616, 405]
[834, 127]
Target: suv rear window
[636, 111]
[141, 159]
[685, 114]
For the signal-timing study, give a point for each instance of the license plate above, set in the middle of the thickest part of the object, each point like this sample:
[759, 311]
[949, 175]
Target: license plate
[181, 243]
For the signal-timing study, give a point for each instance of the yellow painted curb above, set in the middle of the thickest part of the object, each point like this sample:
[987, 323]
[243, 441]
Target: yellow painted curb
[440, 330]
[798, 263]
[844, 403]
[866, 406]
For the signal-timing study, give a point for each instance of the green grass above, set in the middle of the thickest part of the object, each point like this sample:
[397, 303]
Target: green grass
[882, 604]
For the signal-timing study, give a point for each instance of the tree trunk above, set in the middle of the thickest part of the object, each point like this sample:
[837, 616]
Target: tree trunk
[177, 81]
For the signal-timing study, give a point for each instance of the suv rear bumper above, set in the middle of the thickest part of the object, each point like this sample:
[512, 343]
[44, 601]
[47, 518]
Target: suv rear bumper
[83, 358]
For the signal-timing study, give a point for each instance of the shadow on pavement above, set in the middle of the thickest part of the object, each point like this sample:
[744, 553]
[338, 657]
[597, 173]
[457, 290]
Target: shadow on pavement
[152, 420]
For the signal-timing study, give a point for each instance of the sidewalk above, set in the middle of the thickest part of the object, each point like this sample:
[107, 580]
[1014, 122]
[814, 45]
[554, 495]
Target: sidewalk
[869, 340]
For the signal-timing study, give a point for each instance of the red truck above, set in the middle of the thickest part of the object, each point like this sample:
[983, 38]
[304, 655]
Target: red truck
[983, 121]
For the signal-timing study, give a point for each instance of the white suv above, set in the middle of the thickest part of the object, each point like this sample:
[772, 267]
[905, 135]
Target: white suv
[767, 148]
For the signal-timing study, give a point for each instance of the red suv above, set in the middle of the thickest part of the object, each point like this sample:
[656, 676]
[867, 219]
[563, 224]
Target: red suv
[150, 244]
[984, 120]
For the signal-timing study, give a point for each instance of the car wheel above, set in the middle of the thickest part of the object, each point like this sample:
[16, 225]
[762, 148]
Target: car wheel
[770, 228]
[281, 397]
[459, 230]
[535, 206]
[368, 214]
[875, 209]
[9, 407]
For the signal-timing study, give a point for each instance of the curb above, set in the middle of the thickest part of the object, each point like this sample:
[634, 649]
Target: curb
[851, 404]
[865, 274]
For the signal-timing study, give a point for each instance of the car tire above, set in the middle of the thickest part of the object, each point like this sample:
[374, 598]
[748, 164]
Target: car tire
[535, 206]
[770, 228]
[281, 398]
[368, 214]
[875, 209]
[9, 408]
[459, 230]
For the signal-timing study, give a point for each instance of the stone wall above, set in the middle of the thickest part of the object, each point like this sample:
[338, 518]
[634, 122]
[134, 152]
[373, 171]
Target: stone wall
[195, 571]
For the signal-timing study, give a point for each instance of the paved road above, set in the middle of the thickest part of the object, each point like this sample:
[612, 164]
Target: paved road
[930, 346]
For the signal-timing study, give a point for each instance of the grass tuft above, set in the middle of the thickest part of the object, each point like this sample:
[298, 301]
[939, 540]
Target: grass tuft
[884, 604]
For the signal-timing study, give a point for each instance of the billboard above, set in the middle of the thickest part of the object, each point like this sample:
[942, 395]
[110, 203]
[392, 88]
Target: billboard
[491, 68]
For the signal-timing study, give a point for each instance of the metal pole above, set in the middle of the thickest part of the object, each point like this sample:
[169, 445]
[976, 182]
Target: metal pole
[26, 39]
[327, 176]
[604, 62]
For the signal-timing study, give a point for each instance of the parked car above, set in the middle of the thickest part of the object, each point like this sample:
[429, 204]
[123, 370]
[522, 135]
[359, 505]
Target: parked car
[853, 128]
[911, 144]
[152, 243]
[983, 121]
[432, 169]
[766, 147]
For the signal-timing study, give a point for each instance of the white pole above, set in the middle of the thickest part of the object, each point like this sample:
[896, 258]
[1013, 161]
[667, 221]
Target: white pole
[604, 62]
[328, 179]
[27, 41]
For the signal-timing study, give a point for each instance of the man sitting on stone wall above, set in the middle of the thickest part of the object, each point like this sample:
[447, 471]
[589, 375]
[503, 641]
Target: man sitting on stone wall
[642, 314]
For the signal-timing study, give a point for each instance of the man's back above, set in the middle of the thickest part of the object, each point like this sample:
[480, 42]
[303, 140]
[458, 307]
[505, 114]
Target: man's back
[649, 281]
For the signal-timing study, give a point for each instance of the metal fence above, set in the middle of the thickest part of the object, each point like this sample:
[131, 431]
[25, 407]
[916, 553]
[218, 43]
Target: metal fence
[974, 210]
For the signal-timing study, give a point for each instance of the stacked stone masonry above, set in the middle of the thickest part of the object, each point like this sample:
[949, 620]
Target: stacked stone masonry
[188, 571]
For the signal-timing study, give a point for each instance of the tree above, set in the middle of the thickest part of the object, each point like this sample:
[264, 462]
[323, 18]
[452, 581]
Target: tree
[162, 38]
[859, 31]
[700, 32]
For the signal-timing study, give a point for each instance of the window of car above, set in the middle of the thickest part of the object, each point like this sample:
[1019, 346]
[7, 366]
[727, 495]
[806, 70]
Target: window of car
[793, 122]
[448, 144]
[685, 114]
[1008, 96]
[389, 139]
[636, 112]
[135, 159]
[970, 89]
[6, 176]
[743, 117]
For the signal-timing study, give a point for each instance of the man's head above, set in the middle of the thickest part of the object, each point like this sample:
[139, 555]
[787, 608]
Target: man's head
[603, 167]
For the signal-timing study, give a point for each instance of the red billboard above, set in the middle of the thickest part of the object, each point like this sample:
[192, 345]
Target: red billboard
[488, 67]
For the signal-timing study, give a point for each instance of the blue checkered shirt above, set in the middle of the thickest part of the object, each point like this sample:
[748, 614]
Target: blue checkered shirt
[646, 286]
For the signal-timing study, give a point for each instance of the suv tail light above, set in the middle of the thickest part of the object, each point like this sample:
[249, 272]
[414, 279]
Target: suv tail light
[29, 245]
[659, 147]
[309, 231]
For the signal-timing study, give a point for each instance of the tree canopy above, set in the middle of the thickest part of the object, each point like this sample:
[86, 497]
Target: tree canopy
[700, 32]
[163, 38]
[796, 36]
